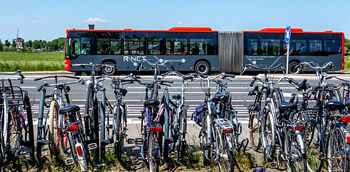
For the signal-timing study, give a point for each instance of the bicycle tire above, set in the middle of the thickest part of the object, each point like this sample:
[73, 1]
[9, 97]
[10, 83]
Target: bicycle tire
[54, 130]
[182, 135]
[296, 159]
[204, 141]
[118, 145]
[254, 131]
[225, 163]
[153, 163]
[269, 139]
[336, 146]
[30, 125]
[314, 147]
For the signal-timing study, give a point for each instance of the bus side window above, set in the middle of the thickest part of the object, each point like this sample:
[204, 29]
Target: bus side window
[103, 46]
[176, 46]
[85, 46]
[115, 46]
[134, 46]
[252, 47]
[202, 47]
[315, 47]
[332, 47]
[270, 47]
[154, 45]
[74, 49]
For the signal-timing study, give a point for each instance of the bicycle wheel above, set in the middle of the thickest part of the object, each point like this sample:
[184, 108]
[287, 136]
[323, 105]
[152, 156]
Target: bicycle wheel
[92, 121]
[314, 145]
[268, 136]
[224, 155]
[119, 138]
[153, 153]
[29, 131]
[205, 143]
[296, 160]
[337, 154]
[182, 135]
[254, 129]
[57, 145]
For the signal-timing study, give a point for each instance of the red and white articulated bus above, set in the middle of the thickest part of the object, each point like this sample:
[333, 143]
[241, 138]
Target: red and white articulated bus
[202, 49]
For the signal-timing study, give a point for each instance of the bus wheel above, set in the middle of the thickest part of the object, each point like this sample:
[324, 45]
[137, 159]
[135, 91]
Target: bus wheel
[292, 68]
[109, 70]
[202, 67]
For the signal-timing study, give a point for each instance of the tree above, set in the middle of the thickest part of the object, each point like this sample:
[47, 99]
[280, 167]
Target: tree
[7, 43]
[37, 44]
[1, 45]
[29, 44]
[13, 43]
[347, 46]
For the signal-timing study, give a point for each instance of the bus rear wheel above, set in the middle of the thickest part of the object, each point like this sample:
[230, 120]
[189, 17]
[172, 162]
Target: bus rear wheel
[292, 68]
[202, 67]
[109, 70]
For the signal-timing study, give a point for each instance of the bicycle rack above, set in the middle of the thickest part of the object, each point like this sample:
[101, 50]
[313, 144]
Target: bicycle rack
[92, 146]
[69, 161]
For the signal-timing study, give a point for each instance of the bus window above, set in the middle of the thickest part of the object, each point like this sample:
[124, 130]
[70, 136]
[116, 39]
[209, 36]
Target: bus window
[176, 46]
[270, 47]
[103, 46]
[296, 47]
[252, 47]
[115, 46]
[332, 47]
[315, 47]
[134, 46]
[74, 49]
[202, 47]
[154, 45]
[85, 46]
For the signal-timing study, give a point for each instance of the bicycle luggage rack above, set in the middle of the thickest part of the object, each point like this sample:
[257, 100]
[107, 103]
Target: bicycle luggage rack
[15, 96]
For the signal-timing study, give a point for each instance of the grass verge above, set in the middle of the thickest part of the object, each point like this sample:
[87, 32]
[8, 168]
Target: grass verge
[43, 61]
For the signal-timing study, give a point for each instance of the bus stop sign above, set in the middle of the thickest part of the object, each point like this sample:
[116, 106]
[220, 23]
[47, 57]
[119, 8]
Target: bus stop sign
[287, 35]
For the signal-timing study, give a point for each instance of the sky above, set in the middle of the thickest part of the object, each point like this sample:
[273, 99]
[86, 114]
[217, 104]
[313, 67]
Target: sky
[49, 19]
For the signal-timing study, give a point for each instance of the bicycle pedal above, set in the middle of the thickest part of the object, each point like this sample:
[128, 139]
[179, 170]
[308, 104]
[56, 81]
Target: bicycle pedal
[92, 146]
[69, 161]
[131, 141]
[273, 165]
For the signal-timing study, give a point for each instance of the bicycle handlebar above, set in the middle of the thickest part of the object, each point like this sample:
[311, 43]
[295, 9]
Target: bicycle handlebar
[19, 72]
[58, 84]
[159, 62]
[315, 65]
[56, 76]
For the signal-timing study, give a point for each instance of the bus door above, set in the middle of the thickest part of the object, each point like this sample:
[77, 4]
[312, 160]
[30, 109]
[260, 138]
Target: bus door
[79, 51]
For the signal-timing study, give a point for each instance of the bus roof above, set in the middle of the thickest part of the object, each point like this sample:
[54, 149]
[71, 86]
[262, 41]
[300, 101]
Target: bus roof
[293, 30]
[174, 29]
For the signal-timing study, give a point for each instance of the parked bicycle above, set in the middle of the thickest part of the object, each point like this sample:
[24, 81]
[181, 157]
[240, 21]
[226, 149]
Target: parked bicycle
[16, 122]
[95, 111]
[153, 118]
[60, 126]
[220, 126]
[177, 117]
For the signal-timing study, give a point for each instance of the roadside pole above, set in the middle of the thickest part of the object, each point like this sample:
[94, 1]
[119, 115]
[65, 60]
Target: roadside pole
[287, 36]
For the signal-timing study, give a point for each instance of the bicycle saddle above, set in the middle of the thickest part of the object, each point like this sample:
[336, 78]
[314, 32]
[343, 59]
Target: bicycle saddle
[151, 102]
[333, 105]
[69, 108]
[303, 85]
[286, 106]
[176, 96]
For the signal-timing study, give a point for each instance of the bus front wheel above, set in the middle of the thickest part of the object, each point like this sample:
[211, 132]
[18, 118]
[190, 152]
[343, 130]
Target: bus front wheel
[202, 67]
[109, 70]
[292, 68]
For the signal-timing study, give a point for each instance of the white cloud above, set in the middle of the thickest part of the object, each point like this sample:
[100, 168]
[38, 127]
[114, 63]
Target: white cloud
[95, 20]
[179, 23]
[33, 21]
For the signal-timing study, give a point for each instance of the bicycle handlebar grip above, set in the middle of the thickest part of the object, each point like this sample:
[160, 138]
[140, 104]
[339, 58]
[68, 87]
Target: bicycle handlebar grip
[41, 87]
[252, 83]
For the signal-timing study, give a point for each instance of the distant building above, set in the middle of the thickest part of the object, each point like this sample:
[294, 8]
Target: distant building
[19, 44]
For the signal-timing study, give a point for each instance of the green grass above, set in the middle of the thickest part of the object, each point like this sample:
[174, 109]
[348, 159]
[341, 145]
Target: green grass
[347, 65]
[39, 61]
